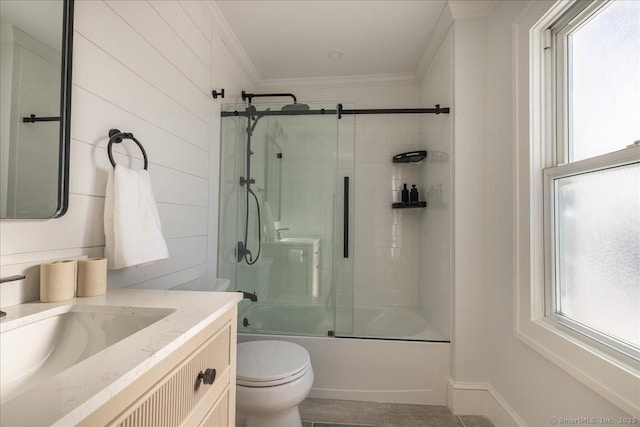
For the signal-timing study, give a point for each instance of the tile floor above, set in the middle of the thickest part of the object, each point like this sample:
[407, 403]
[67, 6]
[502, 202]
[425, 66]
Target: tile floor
[343, 413]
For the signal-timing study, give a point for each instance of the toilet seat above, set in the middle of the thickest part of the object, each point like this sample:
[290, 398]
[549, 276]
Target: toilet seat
[270, 363]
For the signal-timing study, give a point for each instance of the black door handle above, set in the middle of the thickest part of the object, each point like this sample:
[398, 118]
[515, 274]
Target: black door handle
[345, 228]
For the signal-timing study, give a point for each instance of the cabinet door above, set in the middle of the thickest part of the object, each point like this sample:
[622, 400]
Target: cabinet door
[172, 401]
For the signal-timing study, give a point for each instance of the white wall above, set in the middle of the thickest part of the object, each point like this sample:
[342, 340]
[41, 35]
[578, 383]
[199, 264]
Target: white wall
[469, 307]
[6, 94]
[435, 226]
[493, 373]
[533, 386]
[146, 68]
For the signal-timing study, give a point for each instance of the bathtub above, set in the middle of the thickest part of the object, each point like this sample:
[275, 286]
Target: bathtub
[394, 369]
[405, 323]
[401, 323]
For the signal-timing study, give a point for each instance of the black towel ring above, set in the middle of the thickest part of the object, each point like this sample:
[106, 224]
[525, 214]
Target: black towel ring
[115, 136]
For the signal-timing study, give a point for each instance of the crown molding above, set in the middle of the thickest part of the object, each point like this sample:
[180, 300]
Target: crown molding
[342, 81]
[222, 27]
[456, 9]
[435, 41]
[471, 8]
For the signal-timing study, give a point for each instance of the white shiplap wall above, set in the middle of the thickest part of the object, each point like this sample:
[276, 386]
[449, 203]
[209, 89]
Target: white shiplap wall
[146, 68]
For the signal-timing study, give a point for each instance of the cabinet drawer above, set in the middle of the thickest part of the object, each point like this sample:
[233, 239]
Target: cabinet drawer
[219, 414]
[171, 401]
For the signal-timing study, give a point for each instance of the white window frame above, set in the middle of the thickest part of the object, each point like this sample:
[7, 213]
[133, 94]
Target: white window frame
[611, 373]
[620, 158]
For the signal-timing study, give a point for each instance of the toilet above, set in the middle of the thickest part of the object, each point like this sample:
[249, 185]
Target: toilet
[273, 377]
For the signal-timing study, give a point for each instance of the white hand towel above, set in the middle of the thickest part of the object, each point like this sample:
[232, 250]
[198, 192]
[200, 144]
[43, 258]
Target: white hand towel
[133, 233]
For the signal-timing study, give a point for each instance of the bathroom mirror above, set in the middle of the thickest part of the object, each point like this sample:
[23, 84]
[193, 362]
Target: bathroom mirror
[35, 105]
[273, 176]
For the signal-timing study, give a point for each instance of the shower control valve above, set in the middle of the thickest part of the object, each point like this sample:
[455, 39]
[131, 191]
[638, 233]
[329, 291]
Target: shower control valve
[244, 181]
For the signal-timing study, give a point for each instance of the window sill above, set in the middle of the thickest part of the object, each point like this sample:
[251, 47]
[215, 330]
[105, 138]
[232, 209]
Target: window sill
[614, 376]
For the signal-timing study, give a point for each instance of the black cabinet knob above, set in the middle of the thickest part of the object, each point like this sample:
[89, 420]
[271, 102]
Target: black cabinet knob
[208, 376]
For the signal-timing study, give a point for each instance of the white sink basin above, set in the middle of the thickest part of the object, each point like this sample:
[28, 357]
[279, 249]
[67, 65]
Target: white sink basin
[37, 347]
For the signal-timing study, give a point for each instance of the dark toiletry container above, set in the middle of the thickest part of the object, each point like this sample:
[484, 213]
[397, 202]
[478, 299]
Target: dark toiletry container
[405, 194]
[413, 196]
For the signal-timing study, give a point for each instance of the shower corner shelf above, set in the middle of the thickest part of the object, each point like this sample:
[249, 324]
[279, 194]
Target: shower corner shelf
[408, 205]
[410, 157]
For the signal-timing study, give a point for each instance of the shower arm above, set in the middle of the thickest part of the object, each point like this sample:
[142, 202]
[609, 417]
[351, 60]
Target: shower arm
[250, 96]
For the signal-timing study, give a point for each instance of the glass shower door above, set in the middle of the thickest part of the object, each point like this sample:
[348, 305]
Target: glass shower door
[344, 232]
[278, 230]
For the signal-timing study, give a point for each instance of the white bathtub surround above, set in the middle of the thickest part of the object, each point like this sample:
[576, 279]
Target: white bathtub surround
[309, 316]
[374, 370]
[407, 323]
[73, 394]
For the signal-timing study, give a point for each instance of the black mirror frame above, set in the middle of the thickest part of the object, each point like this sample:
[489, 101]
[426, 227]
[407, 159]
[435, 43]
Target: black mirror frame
[65, 110]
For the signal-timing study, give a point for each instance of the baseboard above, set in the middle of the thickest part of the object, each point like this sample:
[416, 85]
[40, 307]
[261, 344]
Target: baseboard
[467, 398]
[417, 397]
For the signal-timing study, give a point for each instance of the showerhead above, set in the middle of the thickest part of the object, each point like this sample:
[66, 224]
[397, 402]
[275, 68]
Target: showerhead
[295, 107]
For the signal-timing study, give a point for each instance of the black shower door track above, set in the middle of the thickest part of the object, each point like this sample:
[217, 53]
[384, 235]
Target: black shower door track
[339, 111]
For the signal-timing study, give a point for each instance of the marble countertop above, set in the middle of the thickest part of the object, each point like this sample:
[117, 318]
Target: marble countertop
[73, 394]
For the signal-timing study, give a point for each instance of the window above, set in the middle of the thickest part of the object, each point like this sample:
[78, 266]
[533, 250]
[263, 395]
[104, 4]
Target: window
[577, 116]
[592, 180]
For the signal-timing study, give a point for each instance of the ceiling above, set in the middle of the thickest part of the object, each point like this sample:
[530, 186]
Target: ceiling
[294, 38]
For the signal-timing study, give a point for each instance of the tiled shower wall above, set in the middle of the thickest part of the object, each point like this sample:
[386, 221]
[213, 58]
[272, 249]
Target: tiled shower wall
[309, 184]
[386, 243]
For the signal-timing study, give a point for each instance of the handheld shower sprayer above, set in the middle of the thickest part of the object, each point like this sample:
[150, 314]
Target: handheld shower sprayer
[253, 117]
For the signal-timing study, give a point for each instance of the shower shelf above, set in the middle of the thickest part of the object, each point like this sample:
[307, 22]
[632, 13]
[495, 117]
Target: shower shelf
[410, 157]
[416, 156]
[407, 205]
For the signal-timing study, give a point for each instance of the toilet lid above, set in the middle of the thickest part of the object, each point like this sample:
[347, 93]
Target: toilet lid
[269, 363]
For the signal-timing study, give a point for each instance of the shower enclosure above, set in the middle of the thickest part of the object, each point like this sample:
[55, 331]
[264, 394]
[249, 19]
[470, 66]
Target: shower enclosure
[288, 227]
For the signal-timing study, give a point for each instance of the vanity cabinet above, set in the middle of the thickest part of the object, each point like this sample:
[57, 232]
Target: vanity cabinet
[295, 260]
[178, 390]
